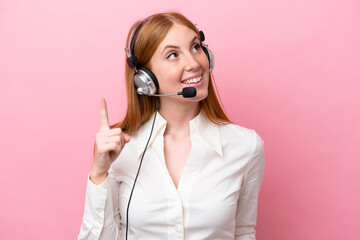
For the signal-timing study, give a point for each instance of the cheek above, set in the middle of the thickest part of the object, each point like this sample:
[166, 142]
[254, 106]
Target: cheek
[161, 75]
[204, 62]
[169, 75]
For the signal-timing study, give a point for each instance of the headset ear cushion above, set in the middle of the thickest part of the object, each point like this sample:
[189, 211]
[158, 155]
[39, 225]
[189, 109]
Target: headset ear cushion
[146, 80]
[210, 57]
[152, 77]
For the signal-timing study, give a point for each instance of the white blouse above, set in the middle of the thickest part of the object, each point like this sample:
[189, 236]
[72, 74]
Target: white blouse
[216, 198]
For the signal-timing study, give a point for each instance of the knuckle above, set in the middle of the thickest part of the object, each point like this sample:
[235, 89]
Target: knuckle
[117, 139]
[100, 134]
[98, 139]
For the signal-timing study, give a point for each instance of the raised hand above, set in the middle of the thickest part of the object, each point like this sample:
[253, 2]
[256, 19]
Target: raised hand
[108, 145]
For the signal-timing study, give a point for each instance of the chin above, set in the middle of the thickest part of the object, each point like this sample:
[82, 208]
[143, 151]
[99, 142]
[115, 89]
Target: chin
[200, 95]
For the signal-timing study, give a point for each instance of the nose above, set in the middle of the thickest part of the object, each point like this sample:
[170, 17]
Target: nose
[191, 62]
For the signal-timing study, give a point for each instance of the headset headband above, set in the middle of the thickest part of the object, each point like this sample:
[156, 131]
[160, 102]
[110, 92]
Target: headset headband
[137, 31]
[135, 35]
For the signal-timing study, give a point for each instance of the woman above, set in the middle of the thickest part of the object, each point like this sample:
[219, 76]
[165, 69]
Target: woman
[200, 174]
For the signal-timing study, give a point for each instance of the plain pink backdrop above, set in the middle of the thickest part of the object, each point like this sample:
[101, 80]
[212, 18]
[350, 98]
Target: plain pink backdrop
[288, 69]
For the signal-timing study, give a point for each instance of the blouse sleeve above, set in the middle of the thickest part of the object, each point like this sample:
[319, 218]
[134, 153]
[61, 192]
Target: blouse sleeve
[101, 216]
[248, 199]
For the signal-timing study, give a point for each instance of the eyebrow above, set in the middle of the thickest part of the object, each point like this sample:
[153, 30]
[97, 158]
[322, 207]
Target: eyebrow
[176, 47]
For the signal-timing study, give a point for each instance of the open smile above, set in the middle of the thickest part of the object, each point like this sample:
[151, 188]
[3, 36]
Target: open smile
[193, 80]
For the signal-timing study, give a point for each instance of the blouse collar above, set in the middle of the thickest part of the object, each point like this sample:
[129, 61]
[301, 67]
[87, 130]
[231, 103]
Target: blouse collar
[209, 131]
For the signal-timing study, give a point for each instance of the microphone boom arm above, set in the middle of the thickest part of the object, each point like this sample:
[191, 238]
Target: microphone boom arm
[186, 92]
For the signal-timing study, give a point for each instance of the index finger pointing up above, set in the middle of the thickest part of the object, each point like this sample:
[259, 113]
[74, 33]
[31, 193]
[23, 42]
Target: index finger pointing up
[104, 120]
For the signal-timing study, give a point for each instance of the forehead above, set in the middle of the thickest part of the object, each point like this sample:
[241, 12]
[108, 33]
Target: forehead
[178, 35]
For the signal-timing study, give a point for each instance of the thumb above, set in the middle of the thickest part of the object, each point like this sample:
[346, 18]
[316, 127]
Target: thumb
[126, 138]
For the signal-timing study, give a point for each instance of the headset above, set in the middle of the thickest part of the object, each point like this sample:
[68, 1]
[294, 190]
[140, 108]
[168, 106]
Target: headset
[147, 84]
[145, 81]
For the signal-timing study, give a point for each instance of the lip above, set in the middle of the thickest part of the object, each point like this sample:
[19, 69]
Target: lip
[199, 83]
[194, 76]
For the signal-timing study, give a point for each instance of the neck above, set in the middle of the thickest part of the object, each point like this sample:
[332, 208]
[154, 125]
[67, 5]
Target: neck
[178, 116]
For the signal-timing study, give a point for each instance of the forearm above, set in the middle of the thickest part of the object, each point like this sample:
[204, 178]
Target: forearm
[98, 219]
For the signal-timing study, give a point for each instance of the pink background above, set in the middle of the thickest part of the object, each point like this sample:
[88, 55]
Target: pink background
[288, 69]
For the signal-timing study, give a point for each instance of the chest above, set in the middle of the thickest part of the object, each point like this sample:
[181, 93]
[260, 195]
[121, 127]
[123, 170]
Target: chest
[176, 154]
[205, 197]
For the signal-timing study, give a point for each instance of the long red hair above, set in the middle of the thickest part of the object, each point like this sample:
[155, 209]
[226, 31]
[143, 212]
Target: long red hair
[140, 107]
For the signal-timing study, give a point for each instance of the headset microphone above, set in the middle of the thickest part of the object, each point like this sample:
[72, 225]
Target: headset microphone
[187, 92]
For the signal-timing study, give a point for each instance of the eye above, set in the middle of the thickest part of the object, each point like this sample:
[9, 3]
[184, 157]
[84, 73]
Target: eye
[172, 55]
[196, 47]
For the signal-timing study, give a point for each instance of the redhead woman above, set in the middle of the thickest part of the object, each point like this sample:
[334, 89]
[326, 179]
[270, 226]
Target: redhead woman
[175, 167]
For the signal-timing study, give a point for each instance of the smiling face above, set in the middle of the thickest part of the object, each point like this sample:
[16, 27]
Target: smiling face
[180, 62]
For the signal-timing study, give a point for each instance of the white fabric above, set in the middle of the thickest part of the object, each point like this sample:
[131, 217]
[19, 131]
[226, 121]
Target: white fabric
[216, 198]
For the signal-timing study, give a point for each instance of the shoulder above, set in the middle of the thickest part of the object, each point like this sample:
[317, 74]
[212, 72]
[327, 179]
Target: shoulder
[239, 134]
[246, 141]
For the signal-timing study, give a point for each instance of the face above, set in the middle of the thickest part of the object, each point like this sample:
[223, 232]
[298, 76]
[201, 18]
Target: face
[179, 62]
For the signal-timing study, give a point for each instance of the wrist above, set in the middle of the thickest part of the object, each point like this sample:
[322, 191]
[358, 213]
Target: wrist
[98, 177]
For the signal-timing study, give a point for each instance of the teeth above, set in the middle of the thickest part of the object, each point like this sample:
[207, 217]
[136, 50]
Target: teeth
[193, 80]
